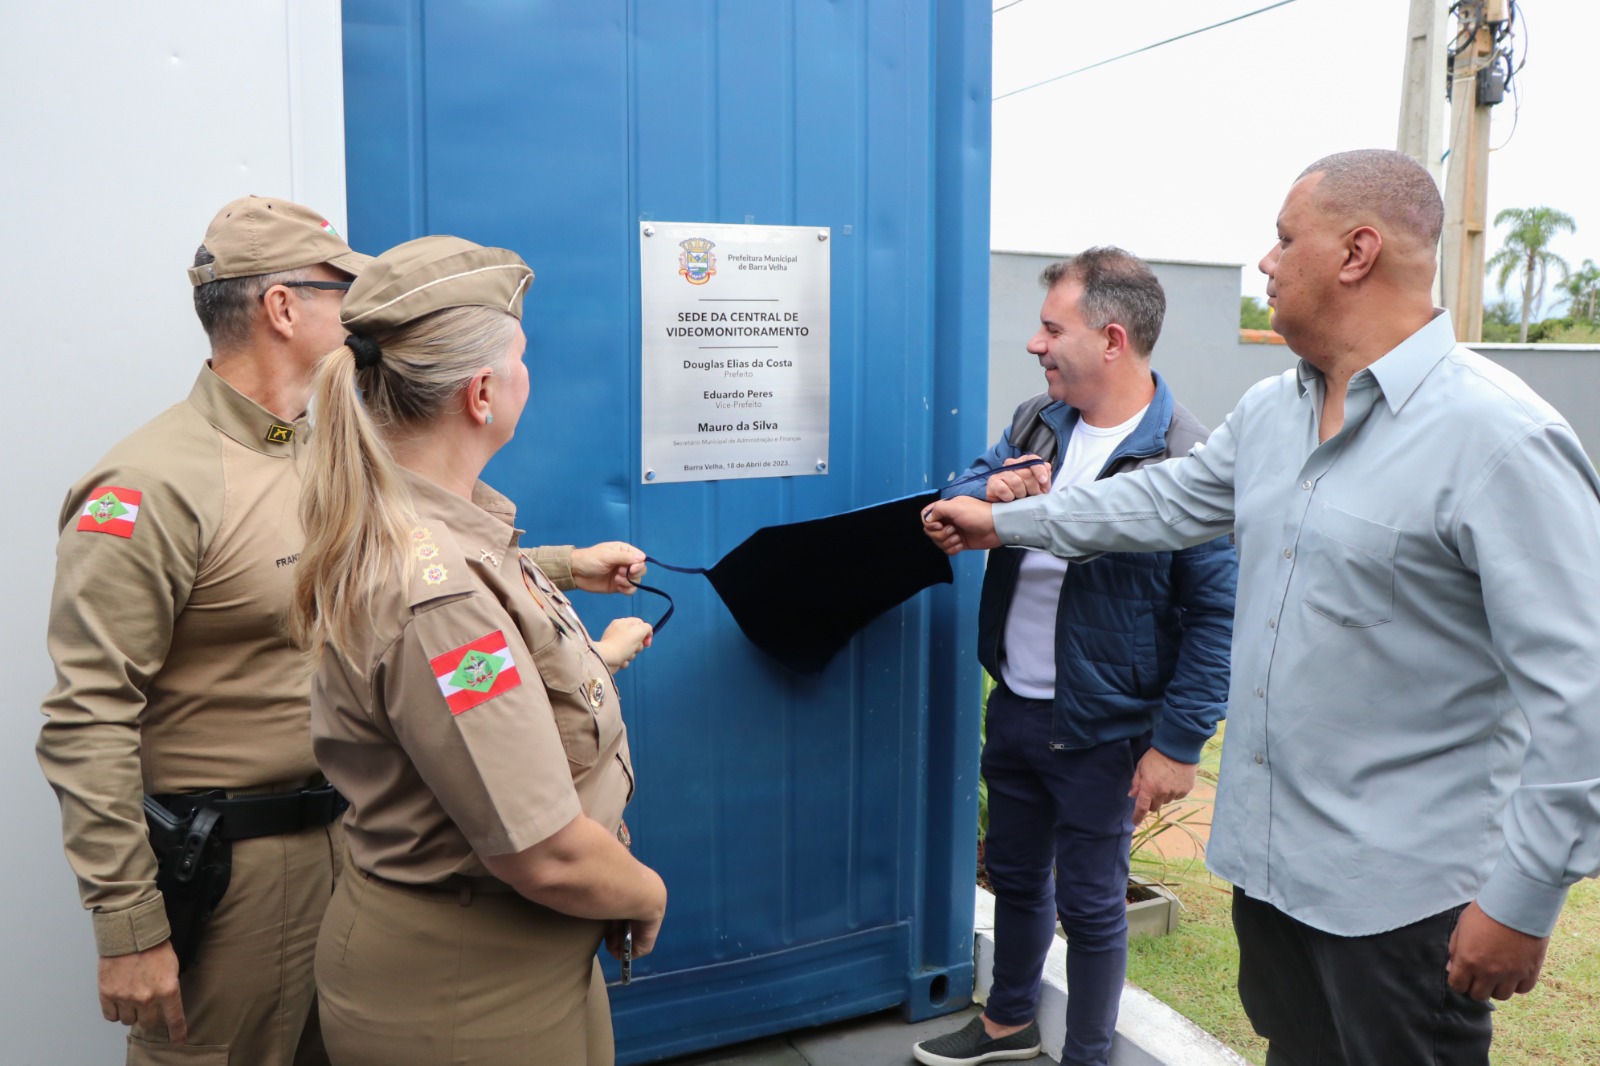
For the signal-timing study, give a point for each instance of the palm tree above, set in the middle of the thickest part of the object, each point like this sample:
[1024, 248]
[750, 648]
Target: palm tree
[1527, 249]
[1583, 286]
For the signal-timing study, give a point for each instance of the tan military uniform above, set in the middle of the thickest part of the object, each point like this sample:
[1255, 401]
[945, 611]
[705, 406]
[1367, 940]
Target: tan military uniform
[174, 673]
[477, 718]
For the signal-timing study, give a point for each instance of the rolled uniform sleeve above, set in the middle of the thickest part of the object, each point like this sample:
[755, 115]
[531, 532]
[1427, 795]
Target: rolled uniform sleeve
[556, 562]
[111, 622]
[483, 737]
[1531, 531]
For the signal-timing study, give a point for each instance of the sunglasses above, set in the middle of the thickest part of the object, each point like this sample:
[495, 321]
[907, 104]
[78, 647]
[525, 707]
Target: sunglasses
[335, 286]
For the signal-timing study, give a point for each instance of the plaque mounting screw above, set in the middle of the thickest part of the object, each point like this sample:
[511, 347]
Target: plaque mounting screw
[649, 231]
[822, 465]
[649, 475]
[822, 234]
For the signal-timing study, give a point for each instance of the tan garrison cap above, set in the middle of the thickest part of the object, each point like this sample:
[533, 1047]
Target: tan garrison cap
[430, 274]
[263, 235]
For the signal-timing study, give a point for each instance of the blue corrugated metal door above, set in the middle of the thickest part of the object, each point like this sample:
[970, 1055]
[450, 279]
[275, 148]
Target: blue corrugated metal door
[815, 834]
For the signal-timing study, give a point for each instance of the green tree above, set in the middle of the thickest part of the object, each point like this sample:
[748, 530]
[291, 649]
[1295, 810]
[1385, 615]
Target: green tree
[1567, 331]
[1500, 321]
[1583, 290]
[1253, 314]
[1527, 250]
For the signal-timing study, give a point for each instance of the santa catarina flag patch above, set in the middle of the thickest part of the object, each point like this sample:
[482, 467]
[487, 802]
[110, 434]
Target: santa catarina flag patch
[475, 672]
[111, 509]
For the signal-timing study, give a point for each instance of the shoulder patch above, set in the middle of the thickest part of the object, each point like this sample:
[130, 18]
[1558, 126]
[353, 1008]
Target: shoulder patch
[110, 509]
[475, 673]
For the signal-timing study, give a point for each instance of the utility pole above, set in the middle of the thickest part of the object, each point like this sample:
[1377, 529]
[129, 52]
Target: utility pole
[1422, 97]
[1473, 83]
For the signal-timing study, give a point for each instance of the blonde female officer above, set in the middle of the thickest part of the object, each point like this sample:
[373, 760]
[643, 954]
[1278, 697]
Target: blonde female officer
[459, 703]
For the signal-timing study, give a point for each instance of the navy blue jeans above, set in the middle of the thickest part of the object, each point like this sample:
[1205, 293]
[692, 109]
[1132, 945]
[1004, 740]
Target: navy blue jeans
[1070, 811]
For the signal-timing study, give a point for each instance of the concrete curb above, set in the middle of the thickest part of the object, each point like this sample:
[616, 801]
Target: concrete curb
[1149, 1033]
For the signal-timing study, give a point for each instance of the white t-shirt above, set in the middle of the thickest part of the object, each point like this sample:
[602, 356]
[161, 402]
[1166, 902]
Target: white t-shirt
[1028, 651]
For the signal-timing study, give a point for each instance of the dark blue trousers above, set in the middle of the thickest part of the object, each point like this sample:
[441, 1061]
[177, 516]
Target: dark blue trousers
[1068, 811]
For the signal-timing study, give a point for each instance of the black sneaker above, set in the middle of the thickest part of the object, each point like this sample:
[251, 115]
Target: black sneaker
[971, 1045]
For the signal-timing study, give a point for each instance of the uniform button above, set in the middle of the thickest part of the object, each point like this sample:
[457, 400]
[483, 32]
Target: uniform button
[1261, 693]
[1288, 553]
[1306, 485]
[1259, 759]
[1272, 623]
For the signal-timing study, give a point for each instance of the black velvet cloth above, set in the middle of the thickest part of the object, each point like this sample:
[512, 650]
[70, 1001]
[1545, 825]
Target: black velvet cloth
[801, 591]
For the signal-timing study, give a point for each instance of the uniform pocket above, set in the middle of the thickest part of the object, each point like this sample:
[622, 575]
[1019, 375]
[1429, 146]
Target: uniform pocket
[149, 1053]
[561, 666]
[1350, 563]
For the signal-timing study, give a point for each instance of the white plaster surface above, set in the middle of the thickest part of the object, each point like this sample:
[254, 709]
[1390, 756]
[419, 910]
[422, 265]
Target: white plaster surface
[126, 127]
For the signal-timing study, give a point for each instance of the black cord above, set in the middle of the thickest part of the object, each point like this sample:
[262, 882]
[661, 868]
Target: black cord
[1136, 51]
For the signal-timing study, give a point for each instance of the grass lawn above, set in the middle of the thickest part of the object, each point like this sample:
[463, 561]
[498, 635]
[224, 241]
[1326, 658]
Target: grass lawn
[1194, 969]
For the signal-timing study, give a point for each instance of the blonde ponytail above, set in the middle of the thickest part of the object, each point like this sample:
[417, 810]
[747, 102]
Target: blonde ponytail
[354, 507]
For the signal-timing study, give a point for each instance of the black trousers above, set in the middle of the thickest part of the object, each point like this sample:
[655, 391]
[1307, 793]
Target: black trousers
[1380, 1000]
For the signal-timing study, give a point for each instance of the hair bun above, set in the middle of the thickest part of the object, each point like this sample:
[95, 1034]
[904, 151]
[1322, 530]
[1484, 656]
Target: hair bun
[366, 350]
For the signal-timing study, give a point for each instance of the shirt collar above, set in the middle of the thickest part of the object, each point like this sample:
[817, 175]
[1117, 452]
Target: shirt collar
[488, 518]
[244, 420]
[1400, 370]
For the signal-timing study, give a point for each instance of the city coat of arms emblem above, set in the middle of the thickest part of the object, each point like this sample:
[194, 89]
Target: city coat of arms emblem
[695, 262]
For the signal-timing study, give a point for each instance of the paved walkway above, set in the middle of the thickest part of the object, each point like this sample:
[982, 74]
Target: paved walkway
[882, 1039]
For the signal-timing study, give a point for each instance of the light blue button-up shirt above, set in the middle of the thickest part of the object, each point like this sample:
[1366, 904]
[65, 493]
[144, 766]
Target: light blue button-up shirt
[1414, 715]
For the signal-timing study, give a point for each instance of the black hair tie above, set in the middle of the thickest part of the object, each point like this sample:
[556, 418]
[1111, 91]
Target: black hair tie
[366, 351]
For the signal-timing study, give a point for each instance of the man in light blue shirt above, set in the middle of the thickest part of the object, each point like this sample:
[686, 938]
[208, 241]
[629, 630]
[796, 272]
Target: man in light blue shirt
[1409, 780]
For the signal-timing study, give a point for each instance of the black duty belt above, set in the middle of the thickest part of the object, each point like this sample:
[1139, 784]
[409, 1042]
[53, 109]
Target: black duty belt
[247, 817]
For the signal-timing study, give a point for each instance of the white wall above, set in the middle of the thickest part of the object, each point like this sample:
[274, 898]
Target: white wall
[125, 127]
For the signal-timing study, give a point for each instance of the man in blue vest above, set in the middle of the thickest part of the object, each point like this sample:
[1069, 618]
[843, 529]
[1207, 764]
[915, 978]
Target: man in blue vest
[1111, 674]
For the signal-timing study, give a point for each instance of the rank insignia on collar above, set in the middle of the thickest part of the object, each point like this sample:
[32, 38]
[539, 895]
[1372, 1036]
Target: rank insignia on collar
[426, 549]
[420, 533]
[595, 692]
[277, 434]
[435, 574]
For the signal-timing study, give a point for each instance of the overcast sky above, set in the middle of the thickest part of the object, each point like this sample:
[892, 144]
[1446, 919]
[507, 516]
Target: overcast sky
[1186, 151]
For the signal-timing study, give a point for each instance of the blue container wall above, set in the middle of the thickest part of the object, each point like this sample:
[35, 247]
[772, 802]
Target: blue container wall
[816, 834]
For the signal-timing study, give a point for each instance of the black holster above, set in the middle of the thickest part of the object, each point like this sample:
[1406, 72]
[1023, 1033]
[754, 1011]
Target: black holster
[194, 865]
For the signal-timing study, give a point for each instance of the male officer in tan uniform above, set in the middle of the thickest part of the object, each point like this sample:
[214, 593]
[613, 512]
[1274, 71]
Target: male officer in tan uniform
[173, 670]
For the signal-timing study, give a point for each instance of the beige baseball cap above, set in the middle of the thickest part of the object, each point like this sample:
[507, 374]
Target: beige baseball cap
[263, 235]
[430, 274]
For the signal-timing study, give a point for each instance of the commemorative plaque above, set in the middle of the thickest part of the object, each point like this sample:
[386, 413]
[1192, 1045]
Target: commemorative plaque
[734, 352]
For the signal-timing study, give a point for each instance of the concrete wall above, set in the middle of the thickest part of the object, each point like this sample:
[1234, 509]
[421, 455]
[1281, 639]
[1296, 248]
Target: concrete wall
[1567, 375]
[1207, 366]
[127, 126]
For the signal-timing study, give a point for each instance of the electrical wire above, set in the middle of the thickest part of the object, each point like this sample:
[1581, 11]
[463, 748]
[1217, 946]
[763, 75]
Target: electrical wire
[1464, 35]
[1136, 51]
[1514, 18]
